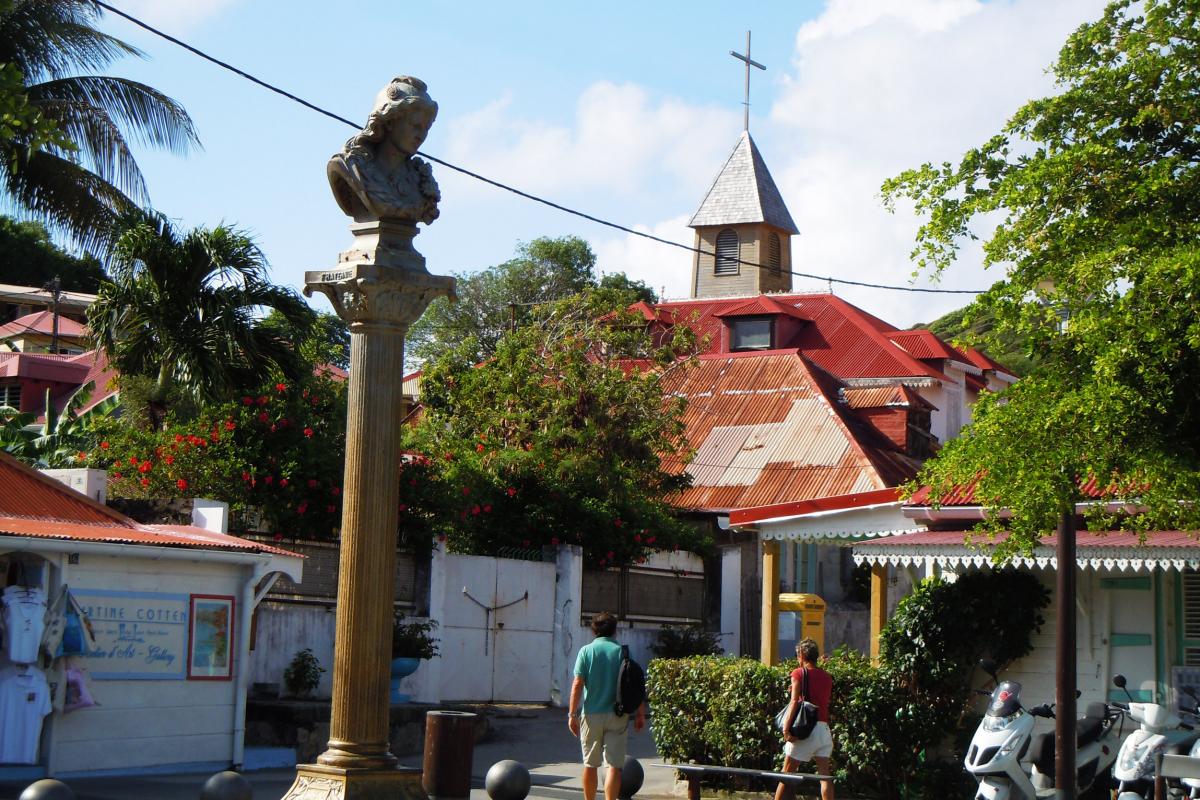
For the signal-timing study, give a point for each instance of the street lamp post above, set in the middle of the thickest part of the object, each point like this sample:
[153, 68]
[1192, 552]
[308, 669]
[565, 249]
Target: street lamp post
[380, 286]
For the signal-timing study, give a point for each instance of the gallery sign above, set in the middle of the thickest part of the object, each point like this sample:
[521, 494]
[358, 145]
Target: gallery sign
[139, 635]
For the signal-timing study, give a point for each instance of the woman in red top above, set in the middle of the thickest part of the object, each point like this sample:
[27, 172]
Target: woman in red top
[818, 747]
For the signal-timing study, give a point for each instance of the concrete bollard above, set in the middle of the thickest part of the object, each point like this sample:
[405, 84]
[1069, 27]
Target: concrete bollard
[449, 751]
[507, 780]
[632, 778]
[47, 789]
[226, 786]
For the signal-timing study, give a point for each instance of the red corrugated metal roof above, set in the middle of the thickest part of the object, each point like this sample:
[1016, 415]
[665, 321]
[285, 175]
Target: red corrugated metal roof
[34, 505]
[965, 495]
[757, 306]
[743, 516]
[983, 361]
[766, 431]
[1083, 539]
[926, 344]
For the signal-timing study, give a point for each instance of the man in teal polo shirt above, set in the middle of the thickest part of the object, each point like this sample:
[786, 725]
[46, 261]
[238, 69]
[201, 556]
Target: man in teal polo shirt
[594, 692]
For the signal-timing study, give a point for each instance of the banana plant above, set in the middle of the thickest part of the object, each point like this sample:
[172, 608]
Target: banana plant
[57, 440]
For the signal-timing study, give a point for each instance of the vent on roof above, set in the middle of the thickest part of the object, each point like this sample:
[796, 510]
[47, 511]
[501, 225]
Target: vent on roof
[727, 253]
[774, 254]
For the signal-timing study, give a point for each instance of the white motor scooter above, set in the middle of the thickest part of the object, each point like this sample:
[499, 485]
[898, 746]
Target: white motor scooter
[1159, 731]
[1005, 737]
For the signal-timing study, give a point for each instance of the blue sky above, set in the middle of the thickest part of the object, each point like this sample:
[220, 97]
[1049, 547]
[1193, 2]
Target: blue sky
[623, 110]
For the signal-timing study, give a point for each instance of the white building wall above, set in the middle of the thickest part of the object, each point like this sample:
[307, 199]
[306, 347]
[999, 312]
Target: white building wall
[140, 724]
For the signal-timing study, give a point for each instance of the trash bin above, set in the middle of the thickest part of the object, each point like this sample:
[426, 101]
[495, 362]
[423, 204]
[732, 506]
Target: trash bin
[801, 616]
[449, 751]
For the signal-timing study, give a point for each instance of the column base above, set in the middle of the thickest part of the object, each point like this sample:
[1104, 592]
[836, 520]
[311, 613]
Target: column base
[319, 782]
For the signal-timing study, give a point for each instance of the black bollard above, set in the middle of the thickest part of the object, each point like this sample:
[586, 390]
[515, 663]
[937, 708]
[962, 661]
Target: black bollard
[632, 778]
[47, 789]
[507, 780]
[449, 751]
[226, 786]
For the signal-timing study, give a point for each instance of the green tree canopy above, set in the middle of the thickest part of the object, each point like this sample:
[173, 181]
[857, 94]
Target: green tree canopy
[29, 258]
[325, 341]
[181, 310]
[502, 297]
[81, 178]
[557, 438]
[1094, 194]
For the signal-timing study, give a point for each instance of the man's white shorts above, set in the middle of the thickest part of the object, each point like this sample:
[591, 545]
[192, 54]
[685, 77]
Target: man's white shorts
[604, 732]
[819, 744]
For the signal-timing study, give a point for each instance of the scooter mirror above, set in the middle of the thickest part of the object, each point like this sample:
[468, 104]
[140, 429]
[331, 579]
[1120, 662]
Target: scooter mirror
[1119, 681]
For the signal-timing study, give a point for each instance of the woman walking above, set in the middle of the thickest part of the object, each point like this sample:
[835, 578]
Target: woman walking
[818, 747]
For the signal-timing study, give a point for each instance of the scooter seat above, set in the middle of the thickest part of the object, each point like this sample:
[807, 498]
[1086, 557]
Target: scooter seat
[1041, 751]
[1088, 730]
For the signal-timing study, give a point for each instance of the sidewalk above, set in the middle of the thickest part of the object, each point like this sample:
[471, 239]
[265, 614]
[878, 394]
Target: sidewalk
[534, 735]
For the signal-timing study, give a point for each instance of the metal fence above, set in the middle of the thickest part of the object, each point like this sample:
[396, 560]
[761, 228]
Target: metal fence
[645, 595]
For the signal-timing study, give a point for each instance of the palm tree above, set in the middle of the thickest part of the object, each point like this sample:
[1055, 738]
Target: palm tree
[84, 185]
[181, 310]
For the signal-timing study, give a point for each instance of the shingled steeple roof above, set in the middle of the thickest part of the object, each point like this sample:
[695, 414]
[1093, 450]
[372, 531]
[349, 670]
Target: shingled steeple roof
[744, 192]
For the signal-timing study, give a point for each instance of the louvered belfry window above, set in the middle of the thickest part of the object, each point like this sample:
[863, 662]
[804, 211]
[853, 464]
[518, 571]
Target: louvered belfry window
[774, 253]
[727, 252]
[1190, 624]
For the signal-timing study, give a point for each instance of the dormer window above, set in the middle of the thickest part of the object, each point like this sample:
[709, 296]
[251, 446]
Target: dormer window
[751, 333]
[727, 253]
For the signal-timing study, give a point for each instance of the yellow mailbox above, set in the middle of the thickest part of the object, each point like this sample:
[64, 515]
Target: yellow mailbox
[801, 616]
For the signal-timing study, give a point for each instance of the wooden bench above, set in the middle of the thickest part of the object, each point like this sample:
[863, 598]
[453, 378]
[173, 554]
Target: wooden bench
[694, 772]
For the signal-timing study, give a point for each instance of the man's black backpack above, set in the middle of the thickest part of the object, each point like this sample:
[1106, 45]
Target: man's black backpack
[631, 685]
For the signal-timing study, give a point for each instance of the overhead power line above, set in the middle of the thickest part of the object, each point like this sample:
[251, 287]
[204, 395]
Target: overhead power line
[557, 206]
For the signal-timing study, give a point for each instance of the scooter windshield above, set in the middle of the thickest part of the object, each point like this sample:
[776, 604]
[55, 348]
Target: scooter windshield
[1006, 700]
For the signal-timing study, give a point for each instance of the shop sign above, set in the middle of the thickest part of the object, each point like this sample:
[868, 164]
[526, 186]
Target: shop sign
[139, 635]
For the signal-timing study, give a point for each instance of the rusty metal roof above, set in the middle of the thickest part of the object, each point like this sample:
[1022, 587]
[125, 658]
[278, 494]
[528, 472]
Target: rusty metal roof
[32, 504]
[768, 429]
[884, 397]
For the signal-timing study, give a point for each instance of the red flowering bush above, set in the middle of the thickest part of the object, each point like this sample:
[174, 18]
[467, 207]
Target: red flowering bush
[279, 453]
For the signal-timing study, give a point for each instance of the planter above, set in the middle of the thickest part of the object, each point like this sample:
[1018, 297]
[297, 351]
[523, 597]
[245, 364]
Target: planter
[401, 669]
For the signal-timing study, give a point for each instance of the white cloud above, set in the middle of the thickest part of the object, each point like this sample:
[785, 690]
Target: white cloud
[877, 87]
[174, 16]
[666, 270]
[620, 140]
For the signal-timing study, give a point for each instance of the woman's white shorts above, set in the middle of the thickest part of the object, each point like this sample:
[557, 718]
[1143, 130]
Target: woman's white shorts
[819, 744]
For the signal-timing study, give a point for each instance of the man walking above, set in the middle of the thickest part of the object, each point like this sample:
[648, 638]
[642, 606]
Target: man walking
[592, 718]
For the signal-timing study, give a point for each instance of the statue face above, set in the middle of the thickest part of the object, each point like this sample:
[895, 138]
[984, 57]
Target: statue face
[409, 131]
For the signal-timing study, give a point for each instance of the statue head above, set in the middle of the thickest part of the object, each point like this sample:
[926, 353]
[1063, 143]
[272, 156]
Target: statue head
[403, 114]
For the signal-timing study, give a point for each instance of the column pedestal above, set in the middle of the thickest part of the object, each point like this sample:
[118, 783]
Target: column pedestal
[319, 782]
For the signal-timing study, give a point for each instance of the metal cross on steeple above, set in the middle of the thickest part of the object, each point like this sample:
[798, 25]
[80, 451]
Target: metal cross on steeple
[749, 64]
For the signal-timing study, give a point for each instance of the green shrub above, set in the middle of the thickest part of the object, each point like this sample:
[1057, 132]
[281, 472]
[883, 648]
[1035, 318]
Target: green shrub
[893, 724]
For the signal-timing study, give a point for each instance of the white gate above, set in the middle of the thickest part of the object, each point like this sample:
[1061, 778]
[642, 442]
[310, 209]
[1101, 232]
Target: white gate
[496, 630]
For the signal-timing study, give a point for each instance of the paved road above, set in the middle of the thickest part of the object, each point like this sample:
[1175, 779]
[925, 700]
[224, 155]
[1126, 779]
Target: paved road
[535, 736]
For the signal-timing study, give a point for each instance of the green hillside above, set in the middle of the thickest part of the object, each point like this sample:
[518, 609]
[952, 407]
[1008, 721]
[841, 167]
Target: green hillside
[1008, 349]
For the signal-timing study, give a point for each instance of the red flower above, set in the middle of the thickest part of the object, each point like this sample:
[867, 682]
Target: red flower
[245, 476]
[269, 480]
[300, 509]
[336, 491]
[283, 482]
[475, 510]
[81, 456]
[283, 422]
[263, 399]
[511, 491]
[281, 387]
[263, 417]
[247, 401]
[487, 509]
[104, 445]
[133, 460]
[145, 467]
[524, 543]
[312, 483]
[181, 484]
[478, 448]
[649, 540]
[145, 482]
[610, 554]
[330, 509]
[412, 482]
[553, 540]
[618, 522]
[449, 456]
[466, 490]
[179, 437]
[229, 425]
[637, 537]
[273, 428]
[402, 508]
[308, 432]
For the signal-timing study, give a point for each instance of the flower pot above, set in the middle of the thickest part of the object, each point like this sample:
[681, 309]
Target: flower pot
[401, 669]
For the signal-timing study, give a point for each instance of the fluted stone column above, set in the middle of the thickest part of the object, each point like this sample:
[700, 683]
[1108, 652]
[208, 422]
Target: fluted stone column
[379, 288]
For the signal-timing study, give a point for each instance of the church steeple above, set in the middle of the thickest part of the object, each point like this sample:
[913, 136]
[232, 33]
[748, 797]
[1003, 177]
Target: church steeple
[742, 219]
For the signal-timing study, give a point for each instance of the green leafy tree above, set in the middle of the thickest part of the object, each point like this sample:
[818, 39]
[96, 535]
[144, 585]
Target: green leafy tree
[1094, 194]
[557, 438]
[62, 437]
[83, 180]
[977, 328]
[325, 341]
[181, 310]
[29, 258]
[500, 298]
[277, 453]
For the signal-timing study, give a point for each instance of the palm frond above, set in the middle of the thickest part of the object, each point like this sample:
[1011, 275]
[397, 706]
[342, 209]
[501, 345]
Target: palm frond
[52, 38]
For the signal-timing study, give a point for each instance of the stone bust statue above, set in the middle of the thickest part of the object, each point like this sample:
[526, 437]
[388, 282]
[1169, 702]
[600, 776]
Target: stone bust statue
[376, 176]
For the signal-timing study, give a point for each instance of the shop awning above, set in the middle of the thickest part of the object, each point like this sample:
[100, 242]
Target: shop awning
[831, 520]
[1108, 550]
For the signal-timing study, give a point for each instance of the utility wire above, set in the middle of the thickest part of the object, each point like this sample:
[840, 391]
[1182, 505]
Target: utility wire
[565, 209]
